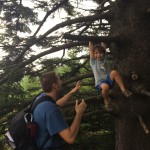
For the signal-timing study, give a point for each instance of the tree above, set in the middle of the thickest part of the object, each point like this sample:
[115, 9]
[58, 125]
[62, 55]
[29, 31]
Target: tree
[132, 55]
[123, 24]
[132, 59]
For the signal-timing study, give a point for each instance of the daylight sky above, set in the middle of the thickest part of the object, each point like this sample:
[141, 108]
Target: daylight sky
[52, 22]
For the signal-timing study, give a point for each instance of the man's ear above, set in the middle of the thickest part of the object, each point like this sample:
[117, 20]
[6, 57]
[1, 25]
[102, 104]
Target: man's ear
[54, 85]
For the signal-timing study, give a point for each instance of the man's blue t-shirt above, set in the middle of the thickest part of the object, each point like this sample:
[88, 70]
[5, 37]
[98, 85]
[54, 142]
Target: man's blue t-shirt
[50, 122]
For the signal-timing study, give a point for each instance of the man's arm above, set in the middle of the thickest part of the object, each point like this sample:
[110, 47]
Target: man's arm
[69, 134]
[61, 102]
[91, 47]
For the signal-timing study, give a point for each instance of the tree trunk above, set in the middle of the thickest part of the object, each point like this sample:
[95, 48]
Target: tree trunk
[131, 22]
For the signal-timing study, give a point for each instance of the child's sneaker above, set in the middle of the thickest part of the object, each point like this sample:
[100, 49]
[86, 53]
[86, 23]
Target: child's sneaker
[127, 93]
[108, 105]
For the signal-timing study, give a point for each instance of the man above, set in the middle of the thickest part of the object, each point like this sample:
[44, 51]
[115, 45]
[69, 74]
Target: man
[52, 128]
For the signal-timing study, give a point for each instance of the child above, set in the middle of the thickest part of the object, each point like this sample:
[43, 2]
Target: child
[104, 77]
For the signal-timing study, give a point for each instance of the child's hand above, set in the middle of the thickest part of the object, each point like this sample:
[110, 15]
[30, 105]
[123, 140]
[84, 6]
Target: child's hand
[77, 87]
[91, 45]
[104, 45]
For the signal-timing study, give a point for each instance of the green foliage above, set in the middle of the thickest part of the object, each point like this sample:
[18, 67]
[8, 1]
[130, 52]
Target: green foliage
[100, 140]
[31, 85]
[14, 92]
[63, 69]
[69, 9]
[95, 137]
[19, 76]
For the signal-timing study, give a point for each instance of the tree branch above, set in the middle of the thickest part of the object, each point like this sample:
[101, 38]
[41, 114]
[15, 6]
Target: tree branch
[60, 25]
[85, 115]
[57, 62]
[141, 90]
[56, 6]
[91, 38]
[51, 50]
[144, 126]
[87, 75]
[92, 100]
[16, 68]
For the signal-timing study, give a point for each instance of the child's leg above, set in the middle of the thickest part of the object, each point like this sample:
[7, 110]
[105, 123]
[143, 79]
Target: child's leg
[105, 94]
[105, 91]
[114, 75]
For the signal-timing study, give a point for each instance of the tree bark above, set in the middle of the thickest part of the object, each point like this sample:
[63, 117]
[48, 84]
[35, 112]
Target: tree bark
[132, 24]
[91, 38]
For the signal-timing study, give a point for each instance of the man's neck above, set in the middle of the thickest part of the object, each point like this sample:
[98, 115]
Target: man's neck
[52, 95]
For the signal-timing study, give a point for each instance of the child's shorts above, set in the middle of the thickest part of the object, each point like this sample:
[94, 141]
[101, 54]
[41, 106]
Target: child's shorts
[107, 81]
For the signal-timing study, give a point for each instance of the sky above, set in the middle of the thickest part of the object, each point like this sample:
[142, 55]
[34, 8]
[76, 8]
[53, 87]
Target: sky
[57, 19]
[52, 22]
[58, 16]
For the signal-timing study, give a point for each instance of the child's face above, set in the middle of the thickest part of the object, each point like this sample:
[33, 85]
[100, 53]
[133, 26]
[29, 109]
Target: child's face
[98, 55]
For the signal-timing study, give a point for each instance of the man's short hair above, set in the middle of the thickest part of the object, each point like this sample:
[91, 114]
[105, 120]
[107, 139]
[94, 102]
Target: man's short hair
[47, 80]
[99, 48]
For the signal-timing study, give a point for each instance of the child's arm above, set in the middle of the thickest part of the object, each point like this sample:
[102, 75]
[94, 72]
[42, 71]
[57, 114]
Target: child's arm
[91, 46]
[104, 45]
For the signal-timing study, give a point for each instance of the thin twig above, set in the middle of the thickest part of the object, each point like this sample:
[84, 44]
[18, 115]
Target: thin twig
[146, 130]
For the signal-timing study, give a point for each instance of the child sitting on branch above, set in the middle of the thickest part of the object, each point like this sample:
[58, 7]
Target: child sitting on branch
[104, 76]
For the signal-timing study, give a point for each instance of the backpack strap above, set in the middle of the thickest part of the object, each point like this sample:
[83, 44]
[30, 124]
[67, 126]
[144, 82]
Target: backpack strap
[33, 106]
[40, 100]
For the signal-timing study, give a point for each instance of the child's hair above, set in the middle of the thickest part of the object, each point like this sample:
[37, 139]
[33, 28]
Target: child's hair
[99, 48]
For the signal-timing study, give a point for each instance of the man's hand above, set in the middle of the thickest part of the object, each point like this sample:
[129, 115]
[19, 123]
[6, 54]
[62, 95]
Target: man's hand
[80, 108]
[76, 88]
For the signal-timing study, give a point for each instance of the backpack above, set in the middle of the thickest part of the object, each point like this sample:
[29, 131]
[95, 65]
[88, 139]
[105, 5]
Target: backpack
[22, 129]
